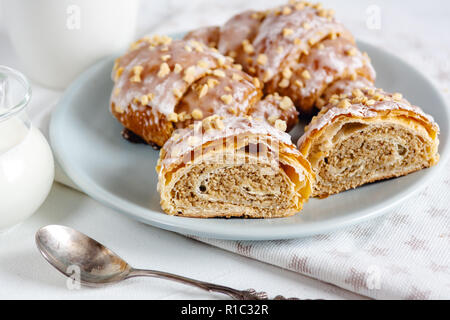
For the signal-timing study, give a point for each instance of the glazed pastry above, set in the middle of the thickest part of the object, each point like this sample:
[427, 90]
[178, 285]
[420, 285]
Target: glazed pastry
[232, 167]
[298, 50]
[163, 84]
[366, 136]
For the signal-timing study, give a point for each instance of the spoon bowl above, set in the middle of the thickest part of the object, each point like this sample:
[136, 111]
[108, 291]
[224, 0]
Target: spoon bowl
[70, 251]
[65, 248]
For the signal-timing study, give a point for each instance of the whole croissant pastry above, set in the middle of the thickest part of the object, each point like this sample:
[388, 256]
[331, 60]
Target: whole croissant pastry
[298, 50]
[162, 84]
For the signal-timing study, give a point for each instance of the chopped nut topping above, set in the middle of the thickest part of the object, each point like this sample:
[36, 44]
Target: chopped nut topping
[219, 73]
[212, 83]
[357, 93]
[228, 89]
[354, 76]
[233, 110]
[284, 83]
[136, 78]
[287, 73]
[177, 93]
[256, 82]
[197, 114]
[165, 57]
[203, 91]
[227, 99]
[118, 109]
[318, 6]
[280, 125]
[219, 124]
[236, 77]
[300, 6]
[262, 59]
[267, 76]
[248, 47]
[397, 96]
[321, 46]
[352, 52]
[137, 70]
[221, 61]
[378, 96]
[344, 104]
[320, 103]
[323, 13]
[144, 100]
[272, 119]
[312, 41]
[203, 64]
[164, 70]
[237, 66]
[370, 102]
[189, 74]
[150, 96]
[166, 40]
[116, 91]
[173, 117]
[177, 69]
[297, 41]
[286, 103]
[306, 75]
[232, 54]
[334, 101]
[298, 83]
[287, 32]
[306, 26]
[188, 48]
[287, 10]
[183, 116]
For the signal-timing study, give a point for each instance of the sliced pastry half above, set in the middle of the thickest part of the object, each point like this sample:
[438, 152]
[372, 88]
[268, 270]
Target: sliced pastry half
[232, 167]
[366, 136]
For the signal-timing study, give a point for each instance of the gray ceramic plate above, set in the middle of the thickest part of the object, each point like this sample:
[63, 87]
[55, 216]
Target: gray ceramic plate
[87, 143]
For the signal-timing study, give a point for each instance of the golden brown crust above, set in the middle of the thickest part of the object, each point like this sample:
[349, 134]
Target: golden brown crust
[380, 135]
[162, 84]
[232, 167]
[297, 50]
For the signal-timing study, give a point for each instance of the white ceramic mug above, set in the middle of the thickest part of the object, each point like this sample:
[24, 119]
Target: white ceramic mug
[57, 39]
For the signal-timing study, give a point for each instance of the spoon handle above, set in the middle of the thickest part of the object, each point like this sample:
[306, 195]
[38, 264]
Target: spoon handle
[249, 294]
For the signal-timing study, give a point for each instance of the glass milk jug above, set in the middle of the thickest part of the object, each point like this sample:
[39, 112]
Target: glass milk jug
[26, 161]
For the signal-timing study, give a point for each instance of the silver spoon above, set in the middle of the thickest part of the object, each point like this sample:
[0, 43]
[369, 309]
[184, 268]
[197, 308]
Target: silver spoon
[64, 248]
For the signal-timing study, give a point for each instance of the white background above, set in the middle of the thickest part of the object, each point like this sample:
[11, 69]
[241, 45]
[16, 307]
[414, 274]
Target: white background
[415, 30]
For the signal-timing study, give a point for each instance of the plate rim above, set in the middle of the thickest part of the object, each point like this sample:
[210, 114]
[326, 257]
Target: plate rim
[163, 221]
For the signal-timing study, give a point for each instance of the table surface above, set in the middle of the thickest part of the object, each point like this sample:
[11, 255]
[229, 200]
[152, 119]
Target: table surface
[416, 31]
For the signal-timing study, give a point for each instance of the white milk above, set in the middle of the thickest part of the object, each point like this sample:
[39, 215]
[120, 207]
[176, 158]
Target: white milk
[58, 39]
[26, 171]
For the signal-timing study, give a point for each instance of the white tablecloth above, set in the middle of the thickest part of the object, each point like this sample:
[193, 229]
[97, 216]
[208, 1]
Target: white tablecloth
[402, 255]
